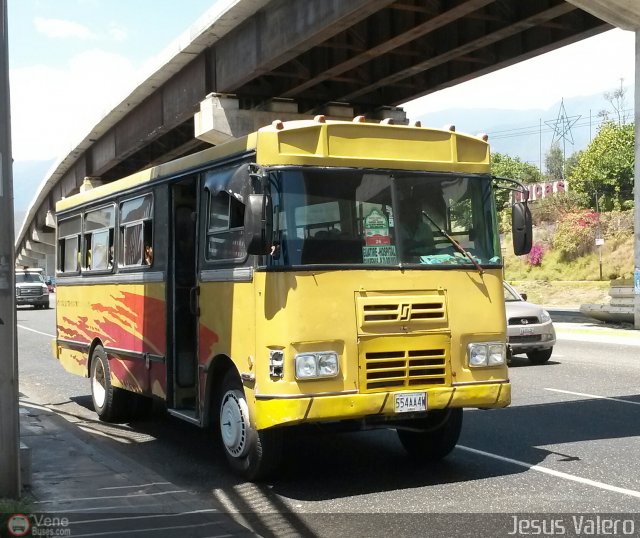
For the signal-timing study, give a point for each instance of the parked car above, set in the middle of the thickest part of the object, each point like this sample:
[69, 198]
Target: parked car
[51, 283]
[31, 288]
[529, 327]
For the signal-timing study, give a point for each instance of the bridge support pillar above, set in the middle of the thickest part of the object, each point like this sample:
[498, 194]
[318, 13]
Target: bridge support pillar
[220, 118]
[636, 190]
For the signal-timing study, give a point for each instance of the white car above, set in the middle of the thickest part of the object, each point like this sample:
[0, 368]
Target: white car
[529, 327]
[31, 288]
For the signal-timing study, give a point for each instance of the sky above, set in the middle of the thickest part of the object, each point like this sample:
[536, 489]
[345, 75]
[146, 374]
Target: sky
[71, 61]
[584, 68]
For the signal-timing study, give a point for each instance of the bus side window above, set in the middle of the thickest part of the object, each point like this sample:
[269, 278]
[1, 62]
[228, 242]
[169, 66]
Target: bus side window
[225, 239]
[132, 244]
[69, 252]
[136, 232]
[99, 225]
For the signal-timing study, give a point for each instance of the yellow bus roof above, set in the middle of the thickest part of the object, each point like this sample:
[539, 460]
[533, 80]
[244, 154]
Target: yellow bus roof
[325, 143]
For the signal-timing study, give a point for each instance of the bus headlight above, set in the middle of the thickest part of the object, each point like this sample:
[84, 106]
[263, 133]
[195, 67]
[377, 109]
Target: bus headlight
[486, 354]
[316, 365]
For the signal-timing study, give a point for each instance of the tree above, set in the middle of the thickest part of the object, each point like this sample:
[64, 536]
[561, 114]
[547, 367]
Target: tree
[607, 167]
[512, 167]
[571, 162]
[617, 100]
[554, 163]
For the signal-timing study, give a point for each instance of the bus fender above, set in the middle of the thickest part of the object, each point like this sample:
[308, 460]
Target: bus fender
[215, 371]
[94, 343]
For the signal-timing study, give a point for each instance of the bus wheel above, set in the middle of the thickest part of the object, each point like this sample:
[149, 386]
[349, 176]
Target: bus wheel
[254, 454]
[108, 401]
[439, 435]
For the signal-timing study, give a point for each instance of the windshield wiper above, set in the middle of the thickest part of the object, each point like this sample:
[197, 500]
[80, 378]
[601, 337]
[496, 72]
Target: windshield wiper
[457, 245]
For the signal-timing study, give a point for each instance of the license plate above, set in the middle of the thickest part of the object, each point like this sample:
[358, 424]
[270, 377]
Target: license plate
[526, 331]
[410, 402]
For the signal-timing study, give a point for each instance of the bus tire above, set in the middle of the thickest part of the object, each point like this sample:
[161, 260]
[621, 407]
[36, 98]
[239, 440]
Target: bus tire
[108, 401]
[253, 454]
[439, 435]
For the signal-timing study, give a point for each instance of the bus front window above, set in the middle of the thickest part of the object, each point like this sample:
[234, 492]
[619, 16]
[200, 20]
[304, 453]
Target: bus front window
[373, 217]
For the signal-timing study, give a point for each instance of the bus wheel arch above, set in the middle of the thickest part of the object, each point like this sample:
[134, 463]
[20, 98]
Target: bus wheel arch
[253, 454]
[92, 346]
[217, 368]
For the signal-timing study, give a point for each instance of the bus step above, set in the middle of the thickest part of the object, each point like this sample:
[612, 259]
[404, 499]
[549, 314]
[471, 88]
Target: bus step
[189, 415]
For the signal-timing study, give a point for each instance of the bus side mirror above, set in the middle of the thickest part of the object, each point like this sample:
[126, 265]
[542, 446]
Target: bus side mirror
[521, 228]
[258, 224]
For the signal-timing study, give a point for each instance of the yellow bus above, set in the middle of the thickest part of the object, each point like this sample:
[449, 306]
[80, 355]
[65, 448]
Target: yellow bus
[328, 272]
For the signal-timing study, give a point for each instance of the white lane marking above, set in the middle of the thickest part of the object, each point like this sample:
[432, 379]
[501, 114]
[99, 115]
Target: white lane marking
[147, 516]
[112, 497]
[138, 485]
[137, 531]
[38, 332]
[595, 396]
[558, 474]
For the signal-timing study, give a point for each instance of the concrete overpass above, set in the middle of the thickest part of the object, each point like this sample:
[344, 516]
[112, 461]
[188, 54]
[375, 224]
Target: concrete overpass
[247, 62]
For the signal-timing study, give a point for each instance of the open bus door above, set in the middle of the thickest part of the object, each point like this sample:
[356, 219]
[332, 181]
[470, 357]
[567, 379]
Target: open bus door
[182, 378]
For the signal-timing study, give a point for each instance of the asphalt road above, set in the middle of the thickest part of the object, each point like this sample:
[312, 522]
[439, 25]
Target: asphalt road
[569, 443]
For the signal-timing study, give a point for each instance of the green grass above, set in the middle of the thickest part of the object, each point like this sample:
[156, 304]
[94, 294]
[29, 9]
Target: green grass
[560, 283]
[12, 506]
[563, 292]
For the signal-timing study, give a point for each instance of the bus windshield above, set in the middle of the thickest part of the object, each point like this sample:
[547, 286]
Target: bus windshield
[388, 218]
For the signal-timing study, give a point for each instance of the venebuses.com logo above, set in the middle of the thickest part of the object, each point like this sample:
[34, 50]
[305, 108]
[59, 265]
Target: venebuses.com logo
[36, 525]
[18, 525]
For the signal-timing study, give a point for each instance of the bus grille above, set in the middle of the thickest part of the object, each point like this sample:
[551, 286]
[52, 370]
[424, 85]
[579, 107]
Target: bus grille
[405, 369]
[404, 312]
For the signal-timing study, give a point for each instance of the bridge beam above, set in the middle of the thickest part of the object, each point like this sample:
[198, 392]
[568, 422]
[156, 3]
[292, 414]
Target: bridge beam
[39, 248]
[624, 14]
[23, 260]
[46, 238]
[31, 254]
[278, 33]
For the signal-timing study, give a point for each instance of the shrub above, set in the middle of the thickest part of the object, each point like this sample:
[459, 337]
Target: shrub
[536, 254]
[552, 208]
[617, 224]
[575, 234]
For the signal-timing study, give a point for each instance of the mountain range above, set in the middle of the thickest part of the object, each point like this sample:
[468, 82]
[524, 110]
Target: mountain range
[528, 134]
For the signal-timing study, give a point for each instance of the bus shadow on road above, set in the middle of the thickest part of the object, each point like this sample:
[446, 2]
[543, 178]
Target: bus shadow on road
[363, 463]
[321, 466]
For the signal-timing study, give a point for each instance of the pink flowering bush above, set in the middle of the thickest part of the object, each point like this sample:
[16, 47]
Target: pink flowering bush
[535, 255]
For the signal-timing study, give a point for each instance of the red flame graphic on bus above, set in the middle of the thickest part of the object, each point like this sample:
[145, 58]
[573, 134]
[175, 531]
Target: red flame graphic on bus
[135, 322]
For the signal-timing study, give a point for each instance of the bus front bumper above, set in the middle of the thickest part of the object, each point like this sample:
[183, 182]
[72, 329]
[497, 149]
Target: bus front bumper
[281, 410]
